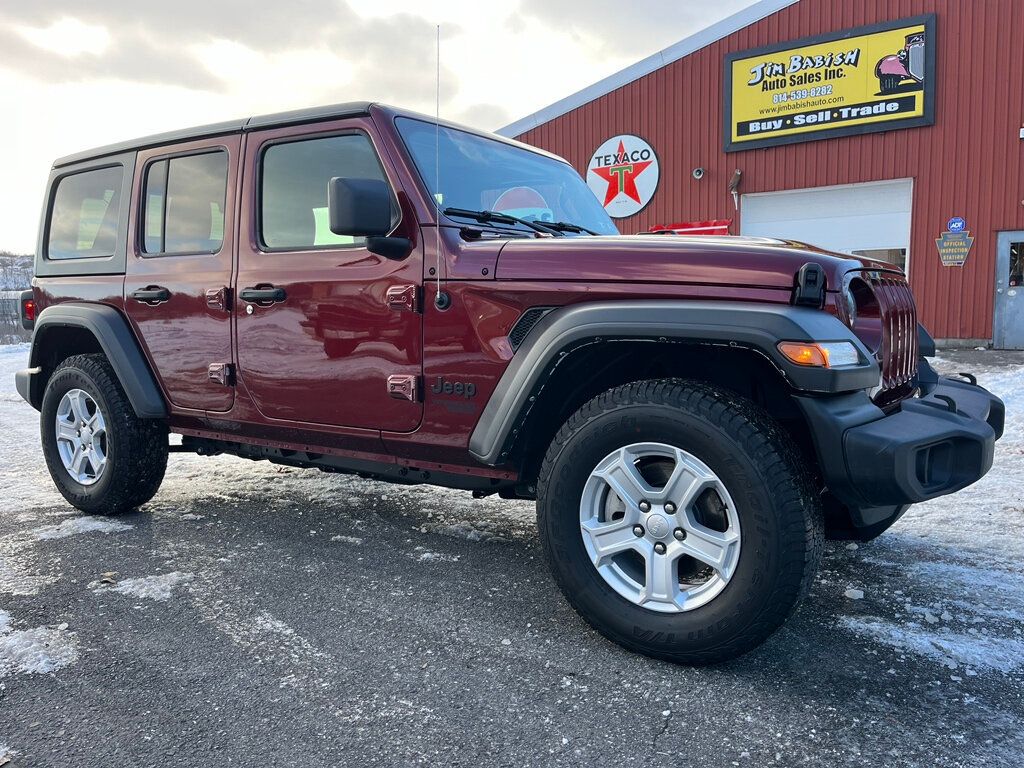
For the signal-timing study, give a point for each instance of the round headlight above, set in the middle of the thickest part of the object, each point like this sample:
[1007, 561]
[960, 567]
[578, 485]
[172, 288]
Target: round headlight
[851, 306]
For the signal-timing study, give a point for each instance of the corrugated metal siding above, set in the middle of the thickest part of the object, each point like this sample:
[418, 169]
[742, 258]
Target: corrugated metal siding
[970, 163]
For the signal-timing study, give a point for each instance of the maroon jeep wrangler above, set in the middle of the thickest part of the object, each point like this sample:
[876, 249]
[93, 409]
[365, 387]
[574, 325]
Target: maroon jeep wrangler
[353, 288]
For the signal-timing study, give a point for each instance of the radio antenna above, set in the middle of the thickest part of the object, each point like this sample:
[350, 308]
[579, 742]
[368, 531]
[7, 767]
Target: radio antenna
[441, 299]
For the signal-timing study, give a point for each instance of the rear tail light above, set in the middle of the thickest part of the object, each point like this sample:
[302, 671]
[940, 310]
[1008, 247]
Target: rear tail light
[28, 310]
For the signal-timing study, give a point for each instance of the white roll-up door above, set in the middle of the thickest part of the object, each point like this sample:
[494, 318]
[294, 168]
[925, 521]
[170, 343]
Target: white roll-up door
[851, 218]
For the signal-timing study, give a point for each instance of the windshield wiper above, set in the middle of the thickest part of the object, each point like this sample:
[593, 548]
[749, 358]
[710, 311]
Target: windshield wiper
[567, 226]
[488, 217]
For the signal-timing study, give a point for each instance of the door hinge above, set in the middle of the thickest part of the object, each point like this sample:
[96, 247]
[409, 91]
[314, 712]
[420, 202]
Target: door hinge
[222, 373]
[403, 387]
[404, 298]
[219, 298]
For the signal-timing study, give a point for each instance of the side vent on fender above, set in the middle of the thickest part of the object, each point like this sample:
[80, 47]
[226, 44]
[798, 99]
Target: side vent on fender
[525, 324]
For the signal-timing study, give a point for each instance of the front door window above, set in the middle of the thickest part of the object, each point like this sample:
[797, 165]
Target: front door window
[293, 199]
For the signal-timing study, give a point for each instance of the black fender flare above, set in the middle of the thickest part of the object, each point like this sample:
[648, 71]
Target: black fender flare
[759, 327]
[118, 343]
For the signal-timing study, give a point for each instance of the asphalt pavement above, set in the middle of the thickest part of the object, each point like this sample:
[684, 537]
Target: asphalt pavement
[260, 616]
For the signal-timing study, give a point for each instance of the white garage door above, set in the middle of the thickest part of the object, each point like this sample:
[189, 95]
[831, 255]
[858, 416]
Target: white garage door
[869, 219]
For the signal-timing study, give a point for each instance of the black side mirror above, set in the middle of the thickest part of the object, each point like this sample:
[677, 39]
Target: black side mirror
[359, 207]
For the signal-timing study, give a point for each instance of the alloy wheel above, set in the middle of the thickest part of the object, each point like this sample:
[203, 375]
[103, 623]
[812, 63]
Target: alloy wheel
[81, 436]
[660, 527]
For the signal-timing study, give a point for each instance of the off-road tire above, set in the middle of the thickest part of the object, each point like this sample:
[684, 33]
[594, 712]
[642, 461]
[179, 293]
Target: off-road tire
[780, 517]
[136, 448]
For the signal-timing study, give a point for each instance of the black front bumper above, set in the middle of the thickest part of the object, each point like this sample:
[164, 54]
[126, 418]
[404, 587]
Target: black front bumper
[876, 464]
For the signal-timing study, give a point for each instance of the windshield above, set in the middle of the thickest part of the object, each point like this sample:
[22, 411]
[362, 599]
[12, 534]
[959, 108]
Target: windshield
[481, 174]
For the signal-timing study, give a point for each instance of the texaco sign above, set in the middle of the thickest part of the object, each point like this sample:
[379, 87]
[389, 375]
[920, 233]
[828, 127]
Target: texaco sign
[623, 173]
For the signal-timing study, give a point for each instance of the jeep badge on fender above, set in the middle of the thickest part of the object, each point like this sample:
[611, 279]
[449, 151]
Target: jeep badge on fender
[689, 449]
[457, 388]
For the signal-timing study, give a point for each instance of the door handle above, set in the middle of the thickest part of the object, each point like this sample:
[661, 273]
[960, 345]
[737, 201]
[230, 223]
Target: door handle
[264, 295]
[151, 295]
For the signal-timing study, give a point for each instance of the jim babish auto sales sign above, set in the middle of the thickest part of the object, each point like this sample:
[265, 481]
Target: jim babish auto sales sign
[876, 78]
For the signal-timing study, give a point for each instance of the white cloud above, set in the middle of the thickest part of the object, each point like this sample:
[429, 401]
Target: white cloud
[287, 78]
[68, 37]
[500, 62]
[438, 11]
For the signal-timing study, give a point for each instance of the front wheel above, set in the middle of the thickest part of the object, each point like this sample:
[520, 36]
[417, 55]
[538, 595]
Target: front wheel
[102, 457]
[677, 520]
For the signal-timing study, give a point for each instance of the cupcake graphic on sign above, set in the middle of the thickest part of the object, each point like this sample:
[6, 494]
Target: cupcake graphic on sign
[895, 70]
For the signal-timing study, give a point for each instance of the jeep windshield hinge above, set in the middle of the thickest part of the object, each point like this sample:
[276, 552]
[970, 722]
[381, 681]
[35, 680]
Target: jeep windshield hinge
[404, 298]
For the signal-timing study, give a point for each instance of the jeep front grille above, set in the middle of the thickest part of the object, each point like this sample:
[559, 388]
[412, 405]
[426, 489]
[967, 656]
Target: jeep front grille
[897, 354]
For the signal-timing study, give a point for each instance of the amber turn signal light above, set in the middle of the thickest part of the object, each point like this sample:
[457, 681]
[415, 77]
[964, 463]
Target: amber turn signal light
[820, 355]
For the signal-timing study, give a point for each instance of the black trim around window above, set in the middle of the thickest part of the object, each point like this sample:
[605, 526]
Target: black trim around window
[295, 139]
[112, 264]
[140, 229]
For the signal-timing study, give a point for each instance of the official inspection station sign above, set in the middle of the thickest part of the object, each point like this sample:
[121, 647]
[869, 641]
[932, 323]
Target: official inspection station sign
[876, 78]
[955, 243]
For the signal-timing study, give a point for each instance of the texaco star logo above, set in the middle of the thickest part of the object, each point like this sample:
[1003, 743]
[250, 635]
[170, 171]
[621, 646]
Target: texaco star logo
[623, 173]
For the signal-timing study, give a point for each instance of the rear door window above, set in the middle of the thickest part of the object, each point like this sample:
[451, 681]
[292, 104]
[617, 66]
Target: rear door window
[84, 217]
[184, 204]
[293, 192]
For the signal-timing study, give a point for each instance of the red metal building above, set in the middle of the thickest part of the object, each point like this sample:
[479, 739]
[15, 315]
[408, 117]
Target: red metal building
[944, 153]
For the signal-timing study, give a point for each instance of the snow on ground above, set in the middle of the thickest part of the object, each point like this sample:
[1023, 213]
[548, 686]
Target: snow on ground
[21, 571]
[947, 579]
[34, 651]
[78, 525]
[948, 647]
[945, 584]
[424, 555]
[26, 482]
[148, 587]
[347, 539]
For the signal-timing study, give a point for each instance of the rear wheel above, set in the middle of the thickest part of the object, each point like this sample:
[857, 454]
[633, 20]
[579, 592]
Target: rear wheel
[677, 520]
[102, 457]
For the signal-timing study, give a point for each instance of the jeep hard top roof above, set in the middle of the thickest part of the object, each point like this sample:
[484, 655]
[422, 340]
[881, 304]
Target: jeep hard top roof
[275, 120]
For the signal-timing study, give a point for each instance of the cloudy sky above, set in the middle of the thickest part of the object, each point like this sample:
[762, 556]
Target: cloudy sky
[80, 73]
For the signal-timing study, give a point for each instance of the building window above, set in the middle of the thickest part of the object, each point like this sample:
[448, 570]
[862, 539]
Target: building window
[184, 209]
[293, 194]
[1016, 264]
[897, 256]
[84, 218]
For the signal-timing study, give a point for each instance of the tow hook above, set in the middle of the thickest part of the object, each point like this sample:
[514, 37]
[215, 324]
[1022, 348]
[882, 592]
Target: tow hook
[949, 401]
[970, 378]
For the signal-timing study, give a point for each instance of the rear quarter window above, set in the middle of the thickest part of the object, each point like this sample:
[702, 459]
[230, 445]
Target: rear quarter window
[84, 217]
[184, 204]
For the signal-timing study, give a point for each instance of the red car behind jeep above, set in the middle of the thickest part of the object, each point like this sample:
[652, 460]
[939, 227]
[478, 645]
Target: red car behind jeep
[693, 415]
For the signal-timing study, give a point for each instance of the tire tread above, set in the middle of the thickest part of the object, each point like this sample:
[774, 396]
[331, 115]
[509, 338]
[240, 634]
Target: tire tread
[782, 467]
[141, 458]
